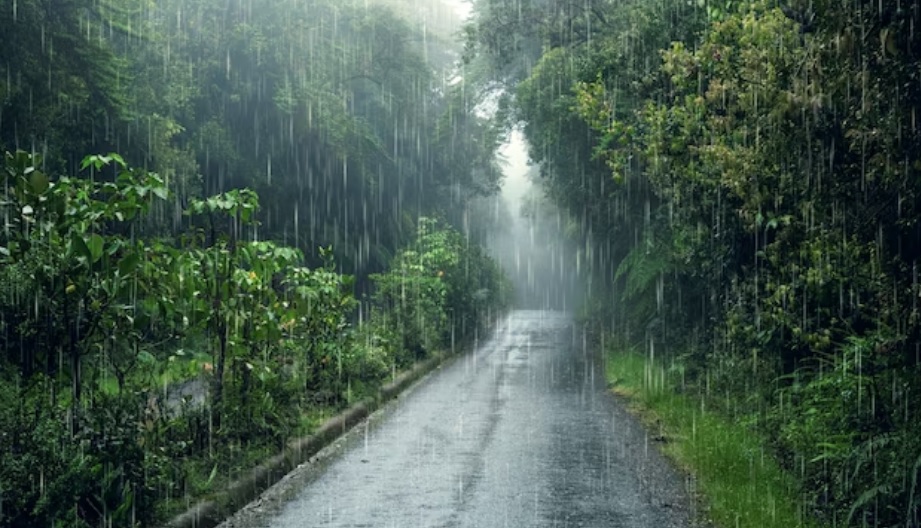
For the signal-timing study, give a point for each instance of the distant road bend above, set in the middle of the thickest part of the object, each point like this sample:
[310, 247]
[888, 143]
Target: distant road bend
[517, 433]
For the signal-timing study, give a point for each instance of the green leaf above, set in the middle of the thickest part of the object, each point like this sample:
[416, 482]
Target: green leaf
[114, 246]
[78, 246]
[128, 264]
[95, 245]
[866, 498]
[160, 192]
[212, 475]
[146, 358]
[96, 161]
[126, 505]
[118, 159]
[39, 182]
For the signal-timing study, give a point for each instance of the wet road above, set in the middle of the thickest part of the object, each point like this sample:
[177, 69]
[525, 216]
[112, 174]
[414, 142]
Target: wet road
[519, 433]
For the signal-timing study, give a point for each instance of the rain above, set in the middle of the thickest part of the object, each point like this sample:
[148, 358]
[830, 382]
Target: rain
[645, 263]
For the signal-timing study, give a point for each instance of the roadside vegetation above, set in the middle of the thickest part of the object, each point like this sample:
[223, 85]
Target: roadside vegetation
[745, 176]
[737, 480]
[103, 327]
[286, 225]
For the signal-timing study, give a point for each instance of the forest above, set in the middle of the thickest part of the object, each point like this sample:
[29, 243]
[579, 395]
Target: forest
[746, 178]
[223, 222]
[226, 220]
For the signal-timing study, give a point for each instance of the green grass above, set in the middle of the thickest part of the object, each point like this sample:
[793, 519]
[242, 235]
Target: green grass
[741, 484]
[312, 419]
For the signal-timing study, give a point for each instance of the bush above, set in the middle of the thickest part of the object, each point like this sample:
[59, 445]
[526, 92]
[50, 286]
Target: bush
[848, 429]
[436, 290]
[49, 475]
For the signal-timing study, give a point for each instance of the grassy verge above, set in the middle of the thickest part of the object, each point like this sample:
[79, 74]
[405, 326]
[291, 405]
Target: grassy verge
[208, 475]
[741, 484]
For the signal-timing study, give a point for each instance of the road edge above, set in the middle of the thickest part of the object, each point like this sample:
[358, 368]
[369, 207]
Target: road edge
[211, 512]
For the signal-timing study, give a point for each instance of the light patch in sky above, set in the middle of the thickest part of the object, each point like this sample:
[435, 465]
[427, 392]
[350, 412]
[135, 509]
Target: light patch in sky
[515, 155]
[463, 8]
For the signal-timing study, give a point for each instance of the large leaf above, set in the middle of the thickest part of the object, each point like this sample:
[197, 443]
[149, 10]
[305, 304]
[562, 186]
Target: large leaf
[129, 263]
[38, 182]
[118, 159]
[95, 244]
[79, 247]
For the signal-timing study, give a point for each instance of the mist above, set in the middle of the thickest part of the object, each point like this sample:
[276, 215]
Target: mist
[532, 239]
[529, 237]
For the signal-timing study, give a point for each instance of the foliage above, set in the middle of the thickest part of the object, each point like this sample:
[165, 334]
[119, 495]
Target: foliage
[163, 305]
[426, 299]
[334, 112]
[747, 172]
[744, 486]
[92, 305]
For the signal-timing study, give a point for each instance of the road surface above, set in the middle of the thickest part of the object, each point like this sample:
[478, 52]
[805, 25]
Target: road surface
[518, 433]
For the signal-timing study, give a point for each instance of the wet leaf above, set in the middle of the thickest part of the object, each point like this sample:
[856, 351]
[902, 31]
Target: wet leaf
[129, 263]
[118, 159]
[79, 247]
[38, 182]
[95, 245]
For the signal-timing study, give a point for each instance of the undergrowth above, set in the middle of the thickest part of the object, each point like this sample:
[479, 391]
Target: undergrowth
[742, 485]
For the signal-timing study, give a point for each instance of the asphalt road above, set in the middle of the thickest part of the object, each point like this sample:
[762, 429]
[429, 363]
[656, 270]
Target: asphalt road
[520, 432]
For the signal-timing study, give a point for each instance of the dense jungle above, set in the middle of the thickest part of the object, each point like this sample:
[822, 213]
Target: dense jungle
[226, 221]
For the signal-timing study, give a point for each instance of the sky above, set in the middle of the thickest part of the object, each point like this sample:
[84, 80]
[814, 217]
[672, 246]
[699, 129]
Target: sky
[462, 7]
[514, 154]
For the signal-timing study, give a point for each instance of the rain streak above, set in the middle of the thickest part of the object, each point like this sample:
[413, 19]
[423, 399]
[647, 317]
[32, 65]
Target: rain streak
[460, 263]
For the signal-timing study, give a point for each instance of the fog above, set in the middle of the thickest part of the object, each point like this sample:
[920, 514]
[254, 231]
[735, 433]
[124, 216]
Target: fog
[522, 229]
[529, 237]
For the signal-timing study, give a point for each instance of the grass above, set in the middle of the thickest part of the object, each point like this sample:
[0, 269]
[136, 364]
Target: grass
[741, 484]
[312, 419]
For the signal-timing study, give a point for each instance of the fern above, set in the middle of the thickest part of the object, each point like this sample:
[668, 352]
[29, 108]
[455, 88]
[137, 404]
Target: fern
[642, 266]
[865, 452]
[866, 498]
